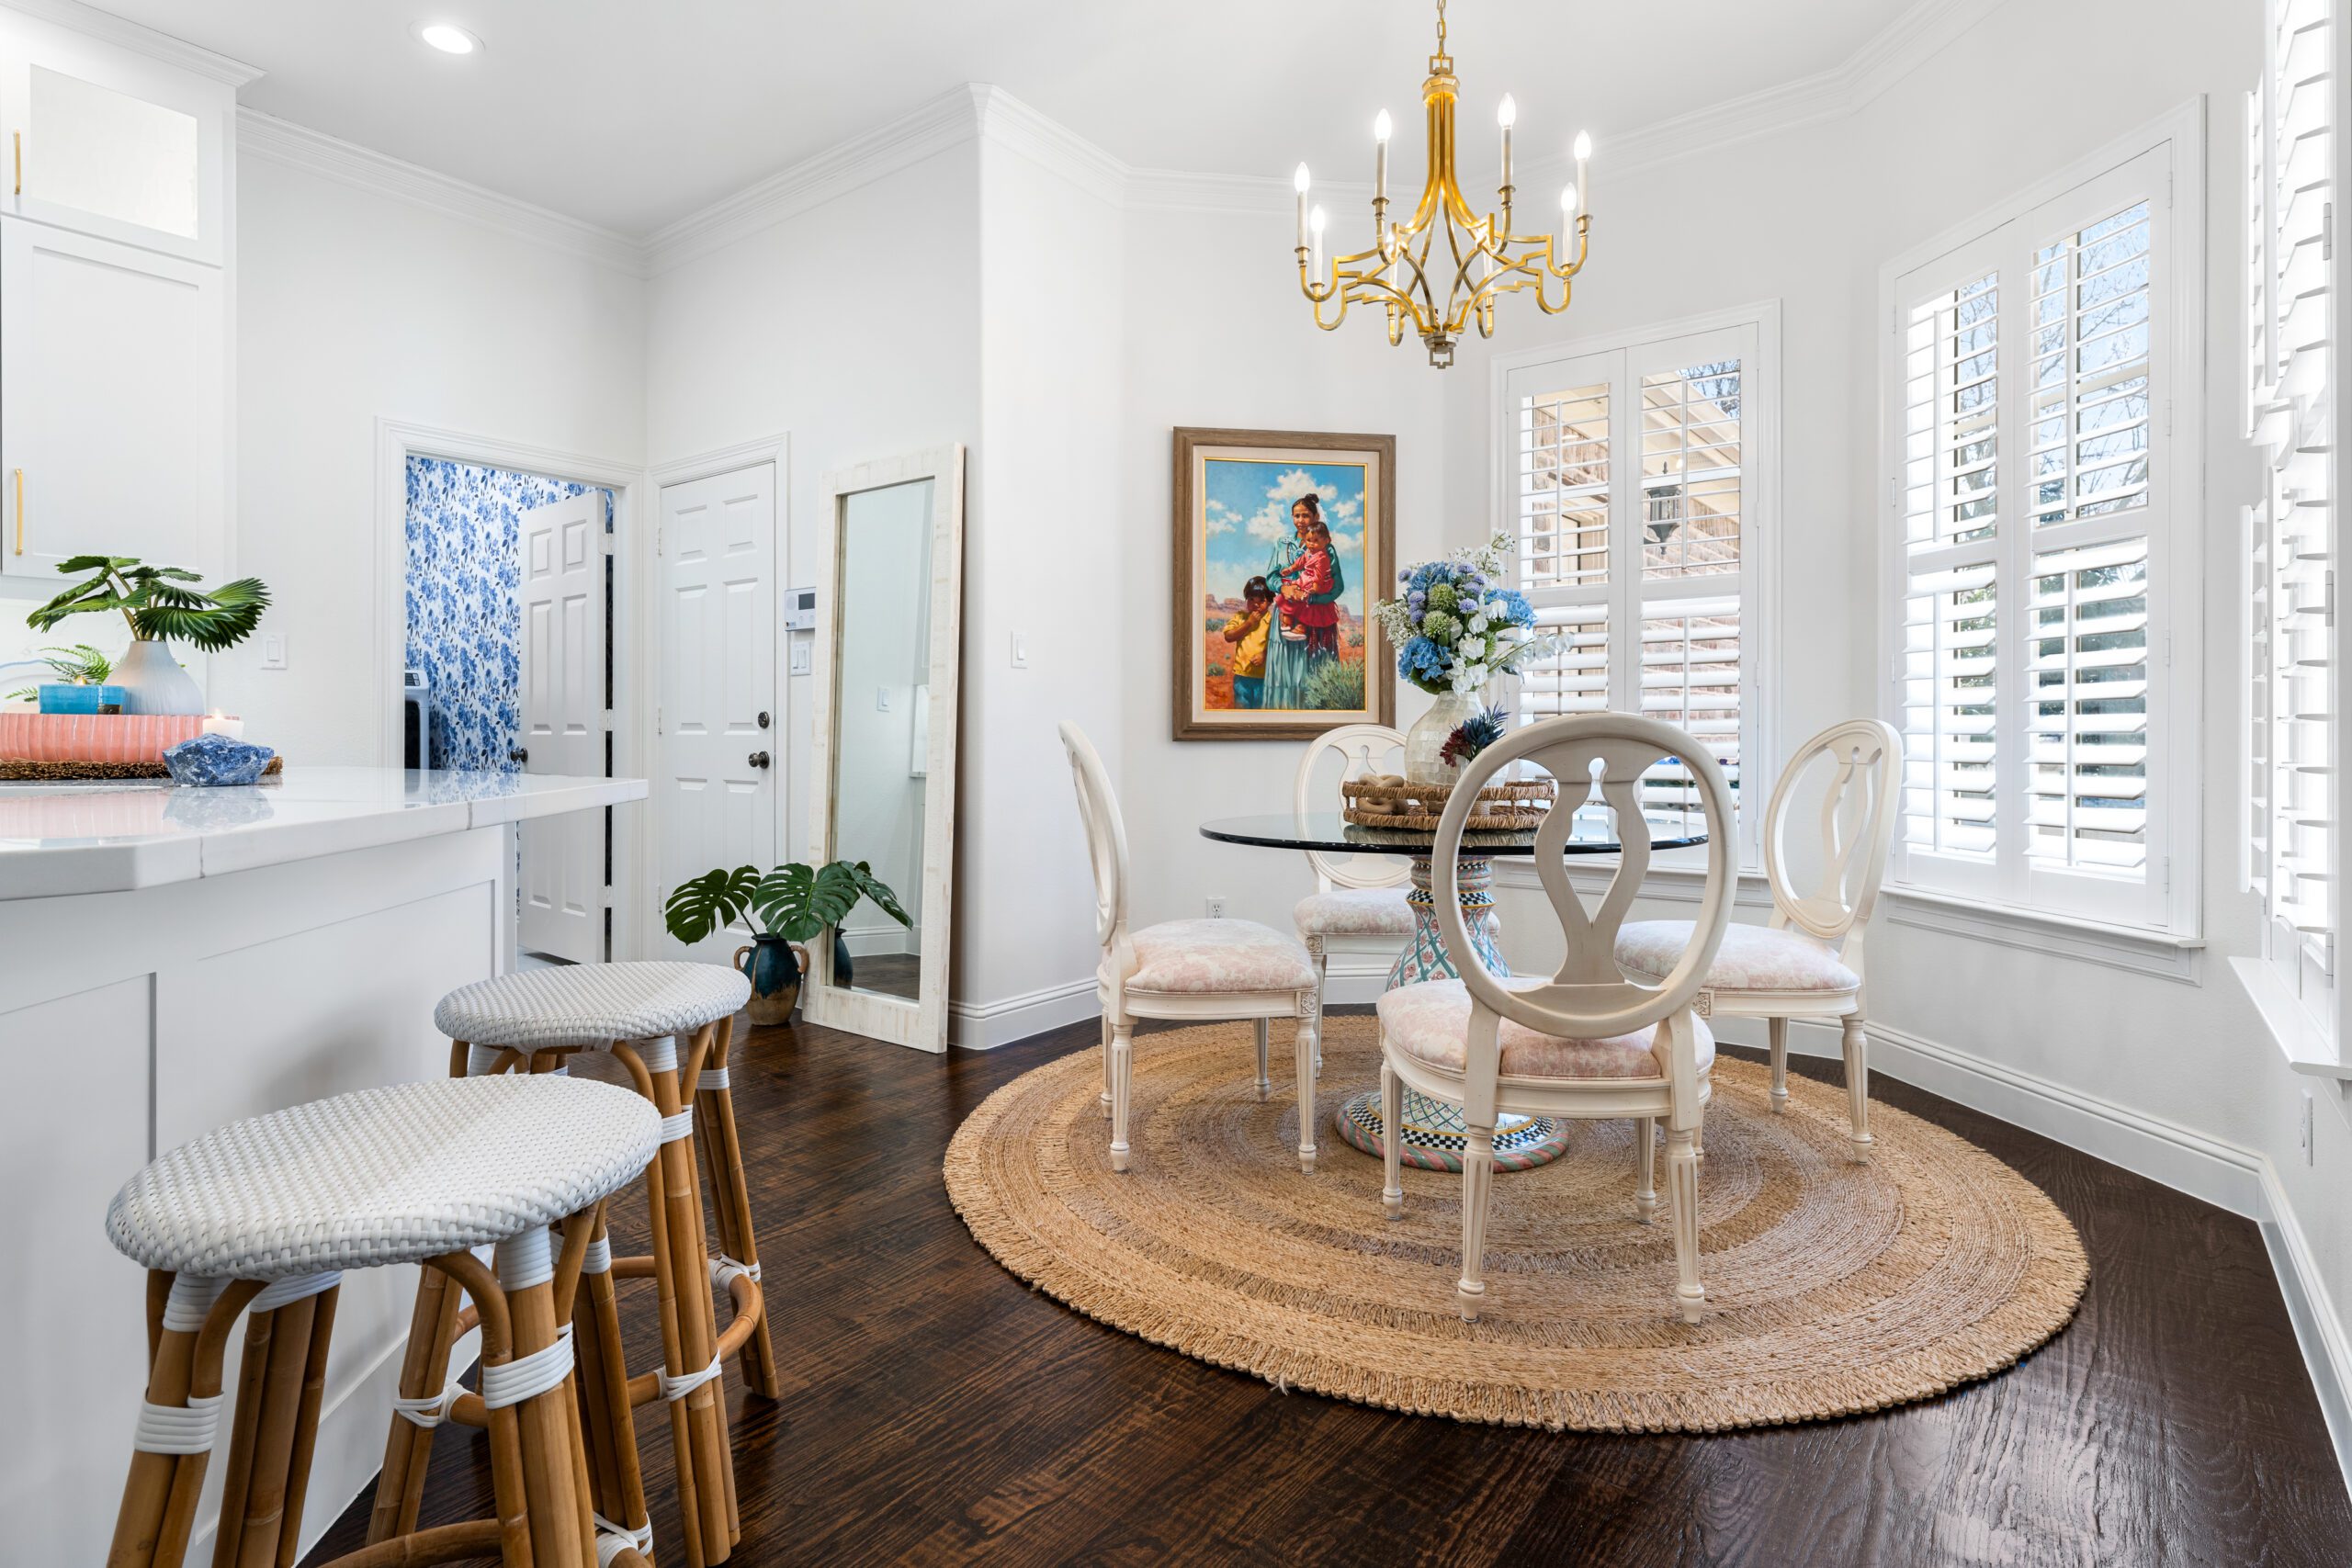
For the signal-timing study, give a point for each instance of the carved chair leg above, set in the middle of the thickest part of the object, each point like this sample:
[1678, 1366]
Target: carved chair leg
[1265, 1084]
[1106, 1067]
[1858, 1086]
[1123, 1051]
[1645, 1169]
[1778, 1028]
[1391, 1161]
[1322, 964]
[1477, 1181]
[1308, 1052]
[1682, 1183]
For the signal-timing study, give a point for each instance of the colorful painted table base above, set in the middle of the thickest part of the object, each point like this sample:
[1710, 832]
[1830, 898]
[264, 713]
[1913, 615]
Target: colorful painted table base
[1434, 1134]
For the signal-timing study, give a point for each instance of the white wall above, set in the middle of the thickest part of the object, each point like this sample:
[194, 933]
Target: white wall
[2176, 1077]
[849, 325]
[1218, 334]
[351, 307]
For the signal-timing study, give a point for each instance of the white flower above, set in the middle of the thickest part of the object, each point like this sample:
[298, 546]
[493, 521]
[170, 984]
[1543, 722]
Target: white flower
[1472, 648]
[1478, 622]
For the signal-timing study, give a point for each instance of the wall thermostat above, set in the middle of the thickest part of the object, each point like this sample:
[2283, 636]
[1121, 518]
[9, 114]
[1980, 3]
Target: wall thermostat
[801, 610]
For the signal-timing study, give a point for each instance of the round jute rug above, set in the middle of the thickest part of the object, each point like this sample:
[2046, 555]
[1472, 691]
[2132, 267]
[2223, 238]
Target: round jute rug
[1832, 1287]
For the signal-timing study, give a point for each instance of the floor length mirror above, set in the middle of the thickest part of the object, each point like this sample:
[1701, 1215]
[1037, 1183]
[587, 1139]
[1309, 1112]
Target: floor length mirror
[886, 667]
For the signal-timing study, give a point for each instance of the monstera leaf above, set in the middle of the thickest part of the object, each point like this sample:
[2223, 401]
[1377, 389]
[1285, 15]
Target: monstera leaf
[704, 904]
[795, 902]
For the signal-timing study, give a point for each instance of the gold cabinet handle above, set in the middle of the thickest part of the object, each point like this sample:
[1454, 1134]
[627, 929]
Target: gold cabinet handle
[20, 512]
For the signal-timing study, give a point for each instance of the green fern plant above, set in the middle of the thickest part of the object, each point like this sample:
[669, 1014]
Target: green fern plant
[793, 901]
[80, 665]
[159, 602]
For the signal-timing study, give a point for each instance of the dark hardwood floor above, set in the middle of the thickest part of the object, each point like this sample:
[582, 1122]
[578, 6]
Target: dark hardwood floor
[935, 1409]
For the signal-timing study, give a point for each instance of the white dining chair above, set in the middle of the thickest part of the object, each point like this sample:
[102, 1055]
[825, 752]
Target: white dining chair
[1588, 1043]
[1193, 970]
[1807, 961]
[1359, 903]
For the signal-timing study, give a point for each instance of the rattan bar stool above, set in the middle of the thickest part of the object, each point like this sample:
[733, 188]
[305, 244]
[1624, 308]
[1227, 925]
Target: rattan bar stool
[261, 1218]
[670, 1025]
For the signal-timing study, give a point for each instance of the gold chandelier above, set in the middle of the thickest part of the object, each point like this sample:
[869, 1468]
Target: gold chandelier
[1482, 259]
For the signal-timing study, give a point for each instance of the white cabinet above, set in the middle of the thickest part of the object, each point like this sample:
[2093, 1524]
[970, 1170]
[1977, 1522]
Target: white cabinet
[116, 146]
[113, 389]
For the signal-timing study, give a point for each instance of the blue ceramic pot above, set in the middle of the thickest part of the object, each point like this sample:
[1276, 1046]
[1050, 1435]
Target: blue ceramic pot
[774, 970]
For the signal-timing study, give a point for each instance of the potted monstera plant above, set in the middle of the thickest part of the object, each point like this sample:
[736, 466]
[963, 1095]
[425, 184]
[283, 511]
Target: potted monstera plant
[785, 909]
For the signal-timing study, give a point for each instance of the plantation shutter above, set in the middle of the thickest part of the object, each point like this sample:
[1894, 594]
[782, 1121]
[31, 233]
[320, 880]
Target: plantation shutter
[2030, 510]
[2292, 788]
[1630, 481]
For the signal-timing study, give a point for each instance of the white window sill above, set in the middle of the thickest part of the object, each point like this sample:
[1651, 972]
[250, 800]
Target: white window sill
[2306, 1049]
[2132, 948]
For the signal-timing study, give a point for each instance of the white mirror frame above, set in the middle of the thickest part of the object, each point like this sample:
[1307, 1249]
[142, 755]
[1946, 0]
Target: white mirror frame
[921, 1024]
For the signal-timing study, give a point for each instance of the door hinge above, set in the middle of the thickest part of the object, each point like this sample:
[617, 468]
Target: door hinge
[2167, 876]
[657, 720]
[2327, 230]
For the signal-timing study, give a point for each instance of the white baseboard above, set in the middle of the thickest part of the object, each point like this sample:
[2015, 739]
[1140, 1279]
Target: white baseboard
[2318, 1328]
[984, 1026]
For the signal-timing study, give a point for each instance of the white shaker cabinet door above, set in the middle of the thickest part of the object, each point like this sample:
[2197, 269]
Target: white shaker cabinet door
[117, 147]
[113, 438]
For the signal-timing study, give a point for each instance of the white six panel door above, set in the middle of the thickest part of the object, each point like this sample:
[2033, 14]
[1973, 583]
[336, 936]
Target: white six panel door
[564, 722]
[718, 738]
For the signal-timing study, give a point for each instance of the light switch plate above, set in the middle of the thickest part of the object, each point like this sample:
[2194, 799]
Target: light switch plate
[804, 656]
[1019, 651]
[272, 651]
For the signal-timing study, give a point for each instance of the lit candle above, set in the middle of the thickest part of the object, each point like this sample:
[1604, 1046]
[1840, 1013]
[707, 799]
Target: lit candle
[1382, 128]
[1504, 117]
[1299, 182]
[1584, 151]
[216, 723]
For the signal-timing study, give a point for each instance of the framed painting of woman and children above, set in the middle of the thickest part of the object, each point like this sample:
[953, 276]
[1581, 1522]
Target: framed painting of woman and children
[1284, 540]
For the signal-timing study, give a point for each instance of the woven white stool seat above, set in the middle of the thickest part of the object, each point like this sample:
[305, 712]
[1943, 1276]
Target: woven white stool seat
[591, 1004]
[384, 1175]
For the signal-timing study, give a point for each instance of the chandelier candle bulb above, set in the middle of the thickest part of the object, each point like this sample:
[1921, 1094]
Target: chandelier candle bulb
[1299, 182]
[1382, 128]
[1584, 151]
[1314, 253]
[1505, 117]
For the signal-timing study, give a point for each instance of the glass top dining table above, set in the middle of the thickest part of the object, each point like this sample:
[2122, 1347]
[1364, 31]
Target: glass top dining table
[1433, 1133]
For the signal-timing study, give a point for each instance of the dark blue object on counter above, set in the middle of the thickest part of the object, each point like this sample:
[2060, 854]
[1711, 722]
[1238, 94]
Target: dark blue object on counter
[216, 760]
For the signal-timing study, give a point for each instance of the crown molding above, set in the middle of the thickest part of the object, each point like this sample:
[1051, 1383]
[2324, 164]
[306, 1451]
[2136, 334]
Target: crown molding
[345, 162]
[108, 28]
[1013, 124]
[930, 128]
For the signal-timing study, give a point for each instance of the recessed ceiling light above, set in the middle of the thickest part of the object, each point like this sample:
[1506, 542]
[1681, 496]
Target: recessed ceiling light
[448, 39]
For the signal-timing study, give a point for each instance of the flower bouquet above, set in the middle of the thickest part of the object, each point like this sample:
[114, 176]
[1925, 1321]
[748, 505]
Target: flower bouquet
[1456, 628]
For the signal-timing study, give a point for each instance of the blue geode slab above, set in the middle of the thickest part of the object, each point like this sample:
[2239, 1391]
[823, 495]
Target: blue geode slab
[215, 759]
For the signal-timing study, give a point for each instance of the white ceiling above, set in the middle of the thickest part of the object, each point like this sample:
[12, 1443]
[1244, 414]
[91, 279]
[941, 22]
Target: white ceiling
[630, 115]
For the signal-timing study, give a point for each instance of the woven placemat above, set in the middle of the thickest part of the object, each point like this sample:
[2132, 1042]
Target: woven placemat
[1833, 1288]
[16, 770]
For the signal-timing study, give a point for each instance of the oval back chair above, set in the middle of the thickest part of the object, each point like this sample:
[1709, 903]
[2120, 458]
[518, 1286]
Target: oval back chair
[1193, 970]
[1359, 905]
[1589, 1043]
[1806, 960]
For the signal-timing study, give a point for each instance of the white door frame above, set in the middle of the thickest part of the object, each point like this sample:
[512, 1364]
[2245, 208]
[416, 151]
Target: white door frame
[398, 440]
[644, 924]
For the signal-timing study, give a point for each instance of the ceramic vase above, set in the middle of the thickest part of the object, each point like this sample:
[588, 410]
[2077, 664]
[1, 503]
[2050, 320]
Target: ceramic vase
[774, 973]
[1429, 735]
[153, 681]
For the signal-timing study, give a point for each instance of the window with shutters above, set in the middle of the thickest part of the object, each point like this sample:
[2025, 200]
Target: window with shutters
[2034, 491]
[1636, 478]
[2292, 798]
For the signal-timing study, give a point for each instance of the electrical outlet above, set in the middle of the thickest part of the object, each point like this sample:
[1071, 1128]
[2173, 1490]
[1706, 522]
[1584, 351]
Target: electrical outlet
[2304, 1134]
[1216, 906]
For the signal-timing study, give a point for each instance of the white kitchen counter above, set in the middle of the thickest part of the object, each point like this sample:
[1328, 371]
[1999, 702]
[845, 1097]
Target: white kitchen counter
[171, 960]
[58, 839]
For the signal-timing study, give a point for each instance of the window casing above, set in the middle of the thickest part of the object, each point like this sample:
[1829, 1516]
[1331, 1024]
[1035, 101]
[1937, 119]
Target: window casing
[2038, 537]
[2292, 798]
[1637, 478]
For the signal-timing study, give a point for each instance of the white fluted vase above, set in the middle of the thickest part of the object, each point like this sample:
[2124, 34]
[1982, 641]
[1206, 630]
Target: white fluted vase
[1429, 735]
[153, 681]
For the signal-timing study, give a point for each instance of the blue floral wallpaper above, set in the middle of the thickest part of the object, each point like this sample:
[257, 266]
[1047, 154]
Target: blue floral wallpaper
[464, 612]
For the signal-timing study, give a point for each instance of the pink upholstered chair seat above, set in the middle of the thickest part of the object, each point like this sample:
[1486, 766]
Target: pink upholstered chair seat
[1354, 912]
[1431, 1020]
[1217, 957]
[1752, 958]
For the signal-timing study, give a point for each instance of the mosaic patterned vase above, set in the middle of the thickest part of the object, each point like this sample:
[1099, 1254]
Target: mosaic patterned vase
[1429, 734]
[775, 973]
